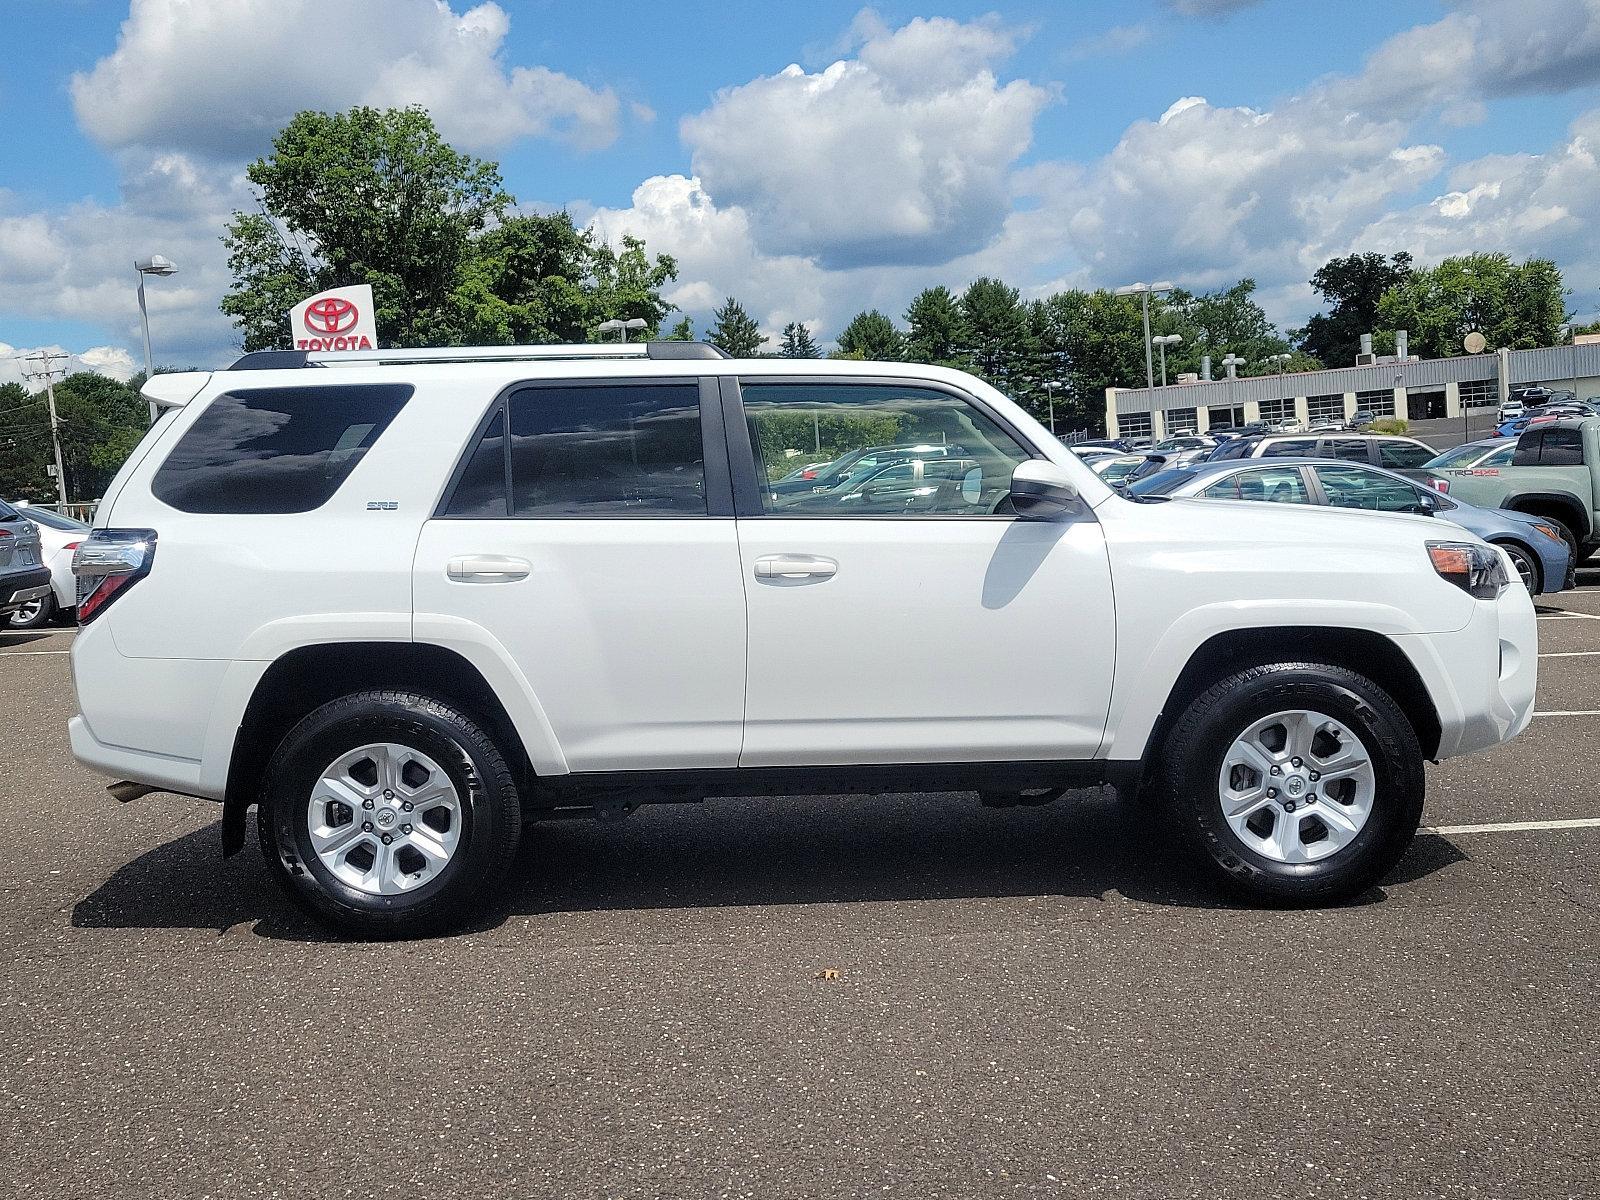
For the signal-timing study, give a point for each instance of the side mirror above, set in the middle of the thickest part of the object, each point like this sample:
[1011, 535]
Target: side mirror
[1042, 491]
[1426, 506]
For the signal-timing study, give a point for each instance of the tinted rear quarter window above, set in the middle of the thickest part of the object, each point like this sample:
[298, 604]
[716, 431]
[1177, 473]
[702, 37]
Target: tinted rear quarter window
[1561, 448]
[1401, 455]
[276, 450]
[1291, 448]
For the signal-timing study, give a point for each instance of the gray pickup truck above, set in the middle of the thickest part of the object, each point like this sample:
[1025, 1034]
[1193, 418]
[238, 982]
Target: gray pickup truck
[23, 575]
[1554, 474]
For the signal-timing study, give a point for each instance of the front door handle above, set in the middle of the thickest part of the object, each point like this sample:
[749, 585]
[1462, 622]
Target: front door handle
[796, 566]
[487, 568]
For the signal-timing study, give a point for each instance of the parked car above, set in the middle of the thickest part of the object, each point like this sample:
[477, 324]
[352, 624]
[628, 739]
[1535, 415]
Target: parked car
[1091, 454]
[23, 576]
[58, 536]
[1554, 474]
[856, 462]
[1378, 449]
[1327, 425]
[455, 592]
[1361, 418]
[1509, 411]
[1488, 452]
[1184, 448]
[1125, 468]
[1542, 558]
[1286, 425]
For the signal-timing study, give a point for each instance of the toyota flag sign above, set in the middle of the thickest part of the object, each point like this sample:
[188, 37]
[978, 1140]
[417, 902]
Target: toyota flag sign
[337, 319]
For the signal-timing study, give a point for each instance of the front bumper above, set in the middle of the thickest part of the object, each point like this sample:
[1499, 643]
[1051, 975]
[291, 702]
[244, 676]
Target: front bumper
[1482, 677]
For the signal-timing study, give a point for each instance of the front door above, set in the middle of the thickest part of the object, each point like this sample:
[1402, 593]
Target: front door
[900, 614]
[596, 547]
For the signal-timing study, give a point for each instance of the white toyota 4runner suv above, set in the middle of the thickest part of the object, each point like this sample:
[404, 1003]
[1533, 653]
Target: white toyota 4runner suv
[405, 602]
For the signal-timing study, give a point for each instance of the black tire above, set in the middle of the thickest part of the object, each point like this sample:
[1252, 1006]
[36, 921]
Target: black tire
[1527, 565]
[42, 616]
[491, 813]
[1192, 755]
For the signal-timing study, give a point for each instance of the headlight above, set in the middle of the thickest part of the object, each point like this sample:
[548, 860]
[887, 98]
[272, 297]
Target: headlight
[1477, 570]
[1550, 531]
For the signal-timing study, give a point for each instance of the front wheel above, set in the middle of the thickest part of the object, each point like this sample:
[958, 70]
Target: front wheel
[1294, 783]
[1527, 566]
[389, 814]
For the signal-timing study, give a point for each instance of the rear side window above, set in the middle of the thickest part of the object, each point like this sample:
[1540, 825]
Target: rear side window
[1291, 448]
[601, 450]
[1400, 455]
[1550, 448]
[1351, 449]
[276, 450]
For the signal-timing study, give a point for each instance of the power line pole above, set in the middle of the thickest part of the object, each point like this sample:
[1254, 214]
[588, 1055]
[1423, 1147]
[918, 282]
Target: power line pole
[47, 370]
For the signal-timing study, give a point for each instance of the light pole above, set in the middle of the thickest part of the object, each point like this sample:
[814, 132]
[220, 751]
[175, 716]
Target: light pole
[1050, 392]
[1143, 291]
[620, 327]
[1171, 339]
[158, 265]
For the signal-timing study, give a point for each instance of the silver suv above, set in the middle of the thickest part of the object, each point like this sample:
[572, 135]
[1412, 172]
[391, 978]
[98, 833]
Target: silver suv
[23, 576]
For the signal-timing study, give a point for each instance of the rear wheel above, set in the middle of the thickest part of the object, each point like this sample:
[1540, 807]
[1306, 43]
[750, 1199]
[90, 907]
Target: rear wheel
[33, 614]
[1294, 783]
[389, 814]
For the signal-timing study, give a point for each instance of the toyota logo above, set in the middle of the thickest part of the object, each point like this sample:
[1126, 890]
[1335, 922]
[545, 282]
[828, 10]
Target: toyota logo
[331, 314]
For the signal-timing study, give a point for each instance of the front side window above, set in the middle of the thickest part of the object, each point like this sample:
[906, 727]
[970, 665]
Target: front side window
[276, 450]
[891, 451]
[1351, 487]
[1349, 449]
[592, 450]
[1399, 456]
[1274, 485]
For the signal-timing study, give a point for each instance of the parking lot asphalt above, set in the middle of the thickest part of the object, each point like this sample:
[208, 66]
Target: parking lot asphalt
[1027, 1002]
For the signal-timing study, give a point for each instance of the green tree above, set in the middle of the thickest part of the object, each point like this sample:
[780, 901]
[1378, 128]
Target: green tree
[101, 422]
[1515, 305]
[1000, 338]
[734, 331]
[798, 342]
[937, 333]
[1351, 287]
[1226, 321]
[366, 196]
[538, 278]
[682, 331]
[871, 335]
[1096, 341]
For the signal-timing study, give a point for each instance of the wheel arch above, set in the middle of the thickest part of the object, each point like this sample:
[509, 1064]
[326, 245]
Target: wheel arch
[307, 677]
[1511, 539]
[1363, 651]
[1563, 506]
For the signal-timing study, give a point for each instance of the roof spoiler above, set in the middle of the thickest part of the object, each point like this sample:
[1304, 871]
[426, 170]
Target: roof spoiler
[174, 389]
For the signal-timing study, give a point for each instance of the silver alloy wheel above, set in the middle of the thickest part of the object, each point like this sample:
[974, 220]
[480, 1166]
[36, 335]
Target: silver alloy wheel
[1297, 787]
[384, 818]
[1525, 567]
[28, 615]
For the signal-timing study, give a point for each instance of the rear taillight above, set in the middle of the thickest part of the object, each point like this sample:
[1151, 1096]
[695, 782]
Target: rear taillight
[72, 545]
[1442, 485]
[107, 563]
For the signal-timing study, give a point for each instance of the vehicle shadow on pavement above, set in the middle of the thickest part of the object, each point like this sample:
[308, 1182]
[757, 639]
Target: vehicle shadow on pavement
[10, 639]
[744, 853]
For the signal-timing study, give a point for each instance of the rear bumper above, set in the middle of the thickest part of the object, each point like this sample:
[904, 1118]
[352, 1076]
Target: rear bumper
[165, 774]
[17, 590]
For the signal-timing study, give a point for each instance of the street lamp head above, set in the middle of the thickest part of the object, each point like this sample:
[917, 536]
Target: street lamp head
[1166, 285]
[1131, 289]
[156, 264]
[635, 323]
[610, 326]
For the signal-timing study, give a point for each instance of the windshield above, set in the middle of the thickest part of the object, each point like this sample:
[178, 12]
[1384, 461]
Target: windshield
[1161, 483]
[54, 520]
[1460, 456]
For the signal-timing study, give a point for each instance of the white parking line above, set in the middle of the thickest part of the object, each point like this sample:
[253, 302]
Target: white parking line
[17, 653]
[1512, 826]
[1571, 654]
[1570, 712]
[1568, 616]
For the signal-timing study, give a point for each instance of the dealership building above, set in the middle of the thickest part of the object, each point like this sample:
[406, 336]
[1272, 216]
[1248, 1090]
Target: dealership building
[1415, 389]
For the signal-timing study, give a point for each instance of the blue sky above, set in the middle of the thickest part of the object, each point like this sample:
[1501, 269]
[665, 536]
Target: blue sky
[1025, 140]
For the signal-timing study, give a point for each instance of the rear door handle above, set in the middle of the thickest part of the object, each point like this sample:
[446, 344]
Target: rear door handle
[796, 566]
[488, 568]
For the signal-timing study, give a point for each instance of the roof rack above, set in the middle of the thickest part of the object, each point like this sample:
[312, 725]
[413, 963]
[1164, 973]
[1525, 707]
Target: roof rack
[273, 360]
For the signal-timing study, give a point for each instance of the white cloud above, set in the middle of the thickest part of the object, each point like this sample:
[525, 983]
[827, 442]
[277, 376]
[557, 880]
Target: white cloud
[221, 77]
[112, 361]
[897, 156]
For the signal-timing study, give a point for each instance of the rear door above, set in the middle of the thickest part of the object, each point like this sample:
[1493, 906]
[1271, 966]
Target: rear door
[590, 532]
[919, 621]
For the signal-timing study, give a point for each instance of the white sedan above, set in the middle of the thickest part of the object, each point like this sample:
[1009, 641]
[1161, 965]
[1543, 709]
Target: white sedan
[59, 536]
